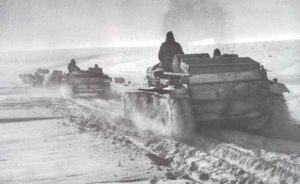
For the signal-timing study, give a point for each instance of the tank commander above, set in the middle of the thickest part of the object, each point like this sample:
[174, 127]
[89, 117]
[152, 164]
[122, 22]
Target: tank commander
[96, 69]
[167, 51]
[72, 67]
[217, 53]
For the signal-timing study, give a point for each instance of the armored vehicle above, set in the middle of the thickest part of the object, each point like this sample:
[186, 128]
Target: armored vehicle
[227, 90]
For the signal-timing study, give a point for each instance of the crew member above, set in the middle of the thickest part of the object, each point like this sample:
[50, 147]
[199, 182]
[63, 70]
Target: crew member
[167, 51]
[217, 53]
[72, 66]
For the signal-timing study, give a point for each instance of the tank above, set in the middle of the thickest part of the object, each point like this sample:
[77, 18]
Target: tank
[55, 78]
[88, 83]
[35, 80]
[227, 90]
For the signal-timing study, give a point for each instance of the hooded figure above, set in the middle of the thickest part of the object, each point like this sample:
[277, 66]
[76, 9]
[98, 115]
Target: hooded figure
[72, 66]
[217, 53]
[167, 51]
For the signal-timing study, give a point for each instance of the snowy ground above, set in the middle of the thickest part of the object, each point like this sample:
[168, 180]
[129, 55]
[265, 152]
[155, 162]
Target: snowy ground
[222, 157]
[48, 139]
[39, 145]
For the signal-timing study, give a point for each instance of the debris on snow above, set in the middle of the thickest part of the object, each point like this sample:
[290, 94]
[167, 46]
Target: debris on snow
[157, 160]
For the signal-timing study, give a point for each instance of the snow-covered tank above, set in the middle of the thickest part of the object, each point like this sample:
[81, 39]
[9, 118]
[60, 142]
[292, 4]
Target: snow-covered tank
[225, 90]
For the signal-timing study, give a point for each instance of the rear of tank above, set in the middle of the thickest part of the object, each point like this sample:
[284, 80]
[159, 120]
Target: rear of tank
[87, 84]
[226, 90]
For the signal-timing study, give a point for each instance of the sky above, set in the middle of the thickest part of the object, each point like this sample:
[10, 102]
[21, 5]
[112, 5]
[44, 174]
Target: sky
[55, 24]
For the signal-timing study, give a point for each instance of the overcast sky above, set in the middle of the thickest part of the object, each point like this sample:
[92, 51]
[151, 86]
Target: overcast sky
[42, 24]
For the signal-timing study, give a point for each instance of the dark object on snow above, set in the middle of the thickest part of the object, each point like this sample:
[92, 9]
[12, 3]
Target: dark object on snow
[153, 180]
[42, 71]
[119, 80]
[157, 160]
[171, 176]
[35, 80]
[72, 67]
[26, 78]
[167, 51]
[204, 176]
[38, 80]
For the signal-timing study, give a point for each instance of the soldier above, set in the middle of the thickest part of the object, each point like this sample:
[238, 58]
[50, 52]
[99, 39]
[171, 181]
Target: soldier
[72, 66]
[167, 51]
[217, 53]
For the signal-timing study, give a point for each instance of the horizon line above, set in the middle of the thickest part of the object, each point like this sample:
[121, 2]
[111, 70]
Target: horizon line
[144, 46]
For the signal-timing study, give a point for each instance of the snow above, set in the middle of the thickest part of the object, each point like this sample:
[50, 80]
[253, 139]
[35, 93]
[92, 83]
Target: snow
[47, 151]
[202, 158]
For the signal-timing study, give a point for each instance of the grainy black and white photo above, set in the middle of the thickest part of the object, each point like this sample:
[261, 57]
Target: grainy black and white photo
[149, 91]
